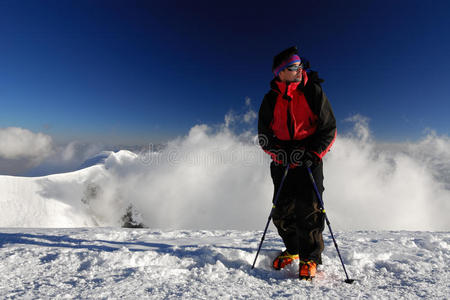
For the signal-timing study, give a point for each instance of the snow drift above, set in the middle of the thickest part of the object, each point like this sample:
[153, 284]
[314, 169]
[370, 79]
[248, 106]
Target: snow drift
[117, 263]
[215, 178]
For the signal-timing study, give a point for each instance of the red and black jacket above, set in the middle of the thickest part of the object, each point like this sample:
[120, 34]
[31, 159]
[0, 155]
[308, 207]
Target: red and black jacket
[296, 114]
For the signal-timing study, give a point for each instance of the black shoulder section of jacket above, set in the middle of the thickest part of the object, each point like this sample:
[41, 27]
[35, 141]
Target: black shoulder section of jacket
[325, 134]
[266, 137]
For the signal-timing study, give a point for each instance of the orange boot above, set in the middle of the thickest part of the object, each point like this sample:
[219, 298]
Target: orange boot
[307, 270]
[284, 259]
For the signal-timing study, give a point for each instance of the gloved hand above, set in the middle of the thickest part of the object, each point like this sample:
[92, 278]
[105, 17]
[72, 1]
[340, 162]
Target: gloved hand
[310, 159]
[295, 157]
[289, 155]
[314, 77]
[305, 63]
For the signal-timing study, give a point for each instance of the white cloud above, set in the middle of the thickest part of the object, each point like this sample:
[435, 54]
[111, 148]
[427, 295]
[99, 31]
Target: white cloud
[402, 185]
[245, 118]
[219, 179]
[26, 153]
[19, 143]
[250, 116]
[65, 158]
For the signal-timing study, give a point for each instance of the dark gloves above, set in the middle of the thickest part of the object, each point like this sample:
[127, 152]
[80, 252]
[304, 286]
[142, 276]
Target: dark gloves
[312, 75]
[293, 153]
[310, 159]
[305, 63]
[289, 156]
[296, 157]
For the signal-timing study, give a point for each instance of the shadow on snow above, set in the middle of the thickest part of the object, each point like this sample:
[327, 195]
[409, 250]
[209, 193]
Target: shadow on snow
[201, 255]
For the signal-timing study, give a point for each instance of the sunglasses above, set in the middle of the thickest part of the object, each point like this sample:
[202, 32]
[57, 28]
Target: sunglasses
[295, 68]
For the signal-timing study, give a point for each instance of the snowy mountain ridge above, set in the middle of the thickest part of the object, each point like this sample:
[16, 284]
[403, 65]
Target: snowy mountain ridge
[59, 200]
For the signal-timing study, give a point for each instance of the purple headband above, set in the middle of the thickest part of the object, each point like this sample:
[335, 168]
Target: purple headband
[290, 61]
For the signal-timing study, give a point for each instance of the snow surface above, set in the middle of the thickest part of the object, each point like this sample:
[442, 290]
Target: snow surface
[150, 264]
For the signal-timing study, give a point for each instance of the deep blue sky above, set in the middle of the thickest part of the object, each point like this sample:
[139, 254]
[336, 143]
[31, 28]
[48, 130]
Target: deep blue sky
[145, 71]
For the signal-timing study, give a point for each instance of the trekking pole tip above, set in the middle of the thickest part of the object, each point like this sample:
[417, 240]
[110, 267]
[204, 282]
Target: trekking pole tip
[349, 281]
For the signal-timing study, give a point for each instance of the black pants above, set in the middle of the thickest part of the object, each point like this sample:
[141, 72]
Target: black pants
[297, 216]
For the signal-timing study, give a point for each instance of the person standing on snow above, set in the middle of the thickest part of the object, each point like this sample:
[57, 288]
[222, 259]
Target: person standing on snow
[296, 126]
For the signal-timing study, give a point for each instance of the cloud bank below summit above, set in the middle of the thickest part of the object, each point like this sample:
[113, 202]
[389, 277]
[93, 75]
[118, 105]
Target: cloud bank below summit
[21, 149]
[218, 178]
[21, 143]
[27, 153]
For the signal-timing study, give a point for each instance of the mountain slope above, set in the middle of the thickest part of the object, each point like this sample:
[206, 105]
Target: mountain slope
[61, 200]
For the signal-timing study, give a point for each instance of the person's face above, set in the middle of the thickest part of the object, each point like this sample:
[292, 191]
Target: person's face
[293, 73]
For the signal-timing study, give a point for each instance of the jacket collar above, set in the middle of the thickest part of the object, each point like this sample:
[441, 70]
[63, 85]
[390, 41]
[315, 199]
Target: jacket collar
[282, 87]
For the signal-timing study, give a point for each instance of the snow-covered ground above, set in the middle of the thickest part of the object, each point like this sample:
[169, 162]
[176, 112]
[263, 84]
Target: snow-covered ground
[141, 263]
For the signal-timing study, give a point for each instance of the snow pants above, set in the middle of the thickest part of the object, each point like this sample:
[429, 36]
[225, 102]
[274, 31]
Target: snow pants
[297, 215]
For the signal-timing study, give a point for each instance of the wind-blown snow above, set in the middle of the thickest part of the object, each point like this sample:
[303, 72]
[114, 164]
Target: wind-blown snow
[113, 263]
[217, 179]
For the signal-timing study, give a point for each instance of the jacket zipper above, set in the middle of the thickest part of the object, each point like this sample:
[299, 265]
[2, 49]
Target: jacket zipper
[289, 116]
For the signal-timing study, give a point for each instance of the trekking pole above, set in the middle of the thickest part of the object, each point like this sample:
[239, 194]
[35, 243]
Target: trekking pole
[322, 208]
[271, 213]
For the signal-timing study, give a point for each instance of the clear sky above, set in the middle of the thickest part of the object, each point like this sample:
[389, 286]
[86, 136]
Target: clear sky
[145, 71]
